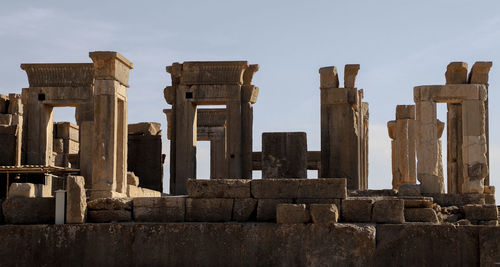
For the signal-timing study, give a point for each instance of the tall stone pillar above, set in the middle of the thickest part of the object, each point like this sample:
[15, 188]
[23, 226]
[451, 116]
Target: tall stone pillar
[109, 174]
[402, 132]
[429, 168]
[217, 154]
[479, 74]
[341, 126]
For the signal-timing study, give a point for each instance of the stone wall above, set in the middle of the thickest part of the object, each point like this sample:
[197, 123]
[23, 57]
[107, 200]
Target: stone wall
[249, 244]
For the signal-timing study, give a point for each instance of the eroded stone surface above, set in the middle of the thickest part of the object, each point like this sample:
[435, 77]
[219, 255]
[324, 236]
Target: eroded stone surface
[107, 216]
[29, 210]
[388, 211]
[244, 209]
[420, 215]
[219, 188]
[266, 208]
[26, 190]
[159, 209]
[357, 210]
[110, 204]
[209, 209]
[76, 199]
[324, 213]
[292, 213]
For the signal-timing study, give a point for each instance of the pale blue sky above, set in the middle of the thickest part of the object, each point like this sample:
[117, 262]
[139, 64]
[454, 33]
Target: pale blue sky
[399, 44]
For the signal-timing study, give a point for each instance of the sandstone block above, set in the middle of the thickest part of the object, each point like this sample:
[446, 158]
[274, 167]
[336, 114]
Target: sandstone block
[145, 128]
[420, 215]
[284, 155]
[244, 209]
[388, 211]
[159, 209]
[22, 190]
[209, 209]
[292, 213]
[329, 77]
[132, 179]
[324, 213]
[4, 103]
[266, 208]
[446, 200]
[474, 212]
[29, 210]
[310, 201]
[299, 188]
[479, 72]
[489, 189]
[67, 130]
[5, 119]
[135, 191]
[110, 204]
[350, 73]
[107, 216]
[357, 210]
[219, 188]
[76, 200]
[373, 193]
[58, 145]
[409, 190]
[405, 112]
[456, 73]
[417, 202]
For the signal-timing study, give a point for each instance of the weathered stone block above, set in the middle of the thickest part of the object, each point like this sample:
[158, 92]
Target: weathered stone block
[244, 209]
[456, 73]
[409, 190]
[322, 188]
[266, 208]
[5, 119]
[66, 130]
[489, 199]
[110, 204]
[299, 188]
[107, 216]
[442, 245]
[357, 210]
[159, 209]
[420, 215]
[29, 210]
[350, 73]
[22, 190]
[284, 155]
[292, 213]
[324, 213]
[209, 209]
[373, 193]
[132, 179]
[329, 77]
[388, 211]
[219, 188]
[446, 200]
[405, 112]
[76, 200]
[489, 247]
[417, 202]
[310, 201]
[135, 191]
[145, 128]
[474, 212]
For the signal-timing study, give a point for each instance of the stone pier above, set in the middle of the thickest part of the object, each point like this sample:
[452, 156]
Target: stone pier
[284, 155]
[344, 135]
[402, 132]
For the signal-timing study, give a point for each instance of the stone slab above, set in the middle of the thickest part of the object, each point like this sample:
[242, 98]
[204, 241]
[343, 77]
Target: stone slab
[266, 208]
[76, 199]
[417, 202]
[324, 213]
[373, 193]
[144, 128]
[29, 210]
[299, 188]
[188, 244]
[445, 200]
[159, 209]
[420, 215]
[284, 155]
[480, 212]
[414, 244]
[244, 209]
[209, 209]
[107, 216]
[357, 210]
[219, 188]
[110, 204]
[388, 211]
[292, 213]
[25, 190]
[409, 190]
[136, 191]
[132, 179]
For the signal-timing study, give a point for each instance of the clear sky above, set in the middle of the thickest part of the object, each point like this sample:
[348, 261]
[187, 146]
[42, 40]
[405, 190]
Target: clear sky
[399, 44]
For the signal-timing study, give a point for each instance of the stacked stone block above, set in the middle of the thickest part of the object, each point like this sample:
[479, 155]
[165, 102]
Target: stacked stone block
[11, 127]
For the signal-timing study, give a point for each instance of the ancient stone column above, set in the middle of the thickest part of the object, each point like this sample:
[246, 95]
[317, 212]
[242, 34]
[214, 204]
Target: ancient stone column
[340, 126]
[249, 95]
[479, 74]
[402, 133]
[456, 73]
[109, 177]
[429, 169]
[284, 155]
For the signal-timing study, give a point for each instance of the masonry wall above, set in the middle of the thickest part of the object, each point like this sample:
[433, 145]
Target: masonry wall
[249, 244]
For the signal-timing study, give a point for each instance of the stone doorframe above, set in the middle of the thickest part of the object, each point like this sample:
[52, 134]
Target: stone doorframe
[471, 98]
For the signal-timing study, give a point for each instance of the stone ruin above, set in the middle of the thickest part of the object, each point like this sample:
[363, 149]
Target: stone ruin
[103, 170]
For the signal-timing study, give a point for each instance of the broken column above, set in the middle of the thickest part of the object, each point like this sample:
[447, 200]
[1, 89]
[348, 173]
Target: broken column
[402, 132]
[342, 128]
[284, 155]
[11, 126]
[109, 178]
